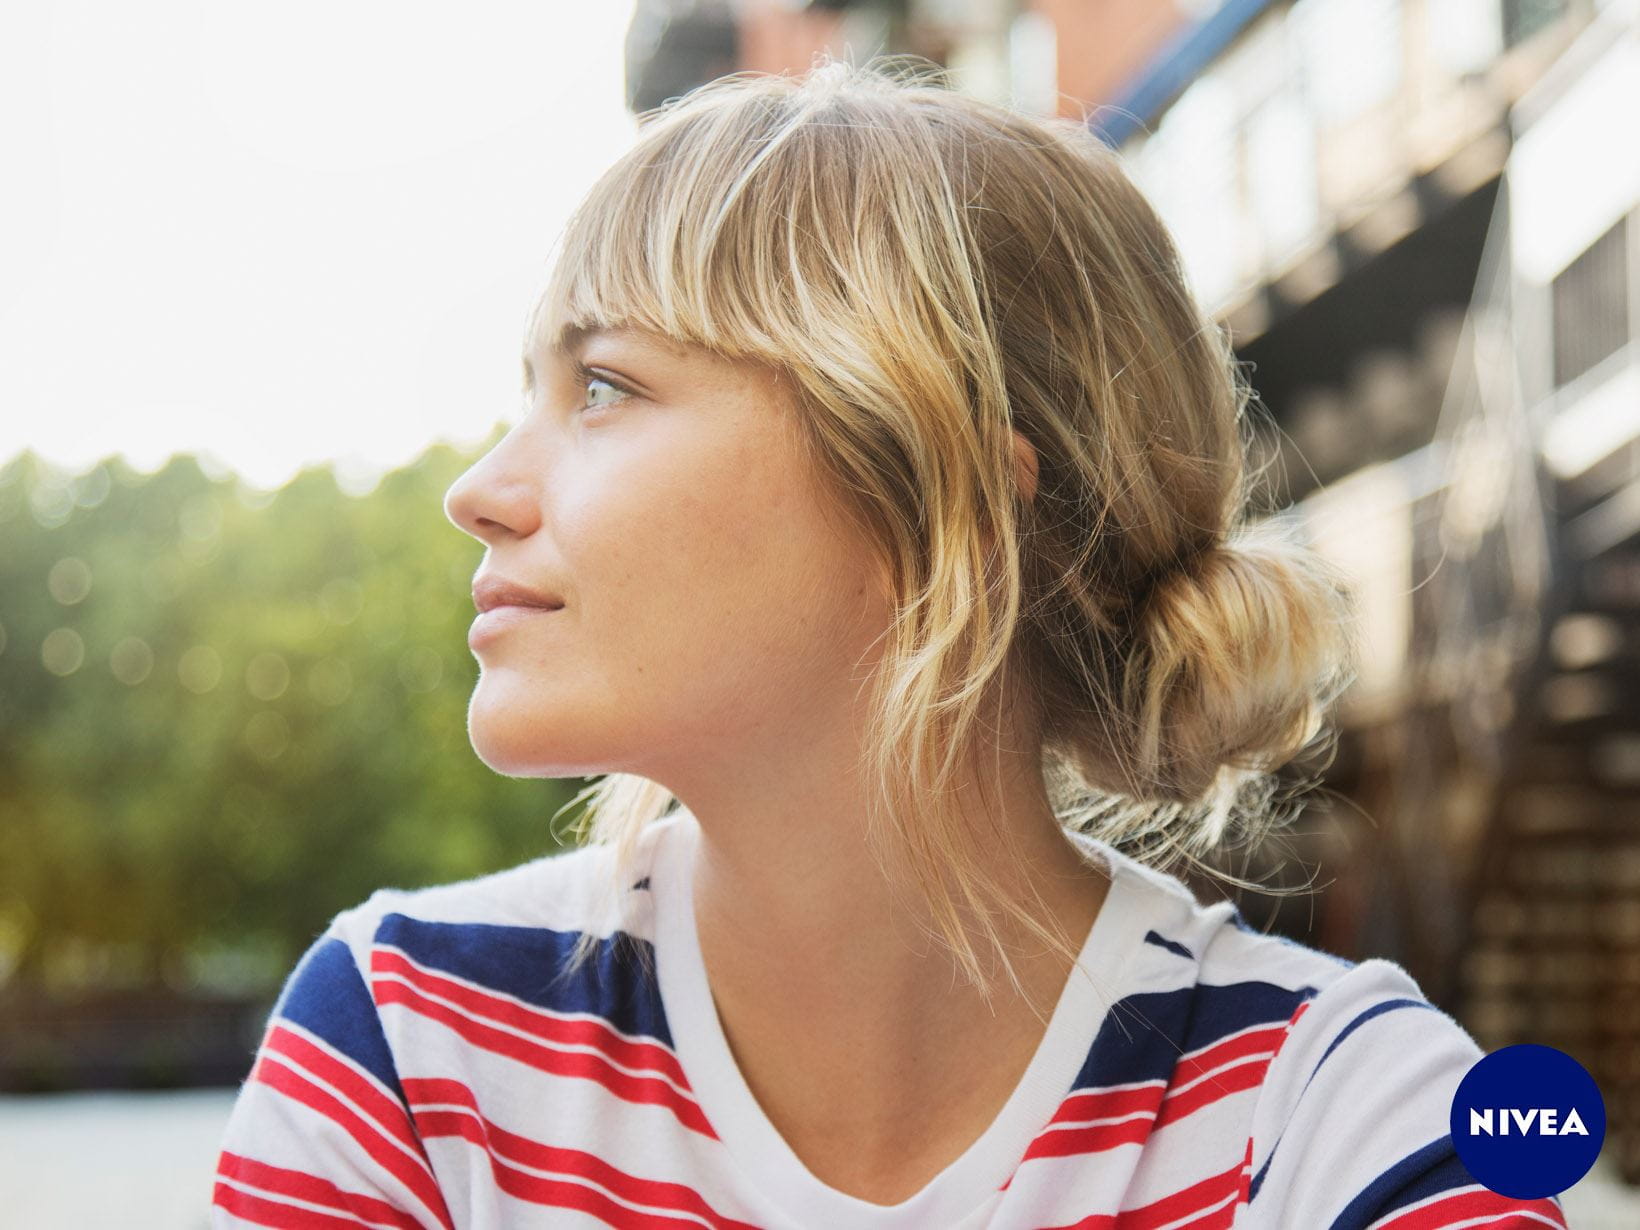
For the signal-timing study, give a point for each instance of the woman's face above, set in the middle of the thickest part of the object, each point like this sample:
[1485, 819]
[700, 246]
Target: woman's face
[710, 609]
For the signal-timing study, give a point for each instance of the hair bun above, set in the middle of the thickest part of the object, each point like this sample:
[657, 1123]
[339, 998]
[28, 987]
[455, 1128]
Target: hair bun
[1236, 652]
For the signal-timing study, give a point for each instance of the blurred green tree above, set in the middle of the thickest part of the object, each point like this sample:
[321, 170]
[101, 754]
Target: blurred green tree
[225, 715]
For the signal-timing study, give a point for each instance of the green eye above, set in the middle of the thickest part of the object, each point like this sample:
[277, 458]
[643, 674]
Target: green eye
[586, 376]
[605, 383]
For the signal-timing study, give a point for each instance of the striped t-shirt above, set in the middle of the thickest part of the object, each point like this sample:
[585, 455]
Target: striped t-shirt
[423, 1068]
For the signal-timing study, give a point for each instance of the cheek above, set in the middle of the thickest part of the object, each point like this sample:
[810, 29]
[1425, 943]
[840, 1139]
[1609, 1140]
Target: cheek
[719, 579]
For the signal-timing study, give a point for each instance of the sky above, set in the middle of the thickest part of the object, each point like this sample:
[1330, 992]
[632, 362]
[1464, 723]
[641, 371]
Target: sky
[279, 235]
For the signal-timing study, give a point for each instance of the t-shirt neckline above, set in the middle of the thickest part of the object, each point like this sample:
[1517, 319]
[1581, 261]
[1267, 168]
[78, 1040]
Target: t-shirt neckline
[768, 1163]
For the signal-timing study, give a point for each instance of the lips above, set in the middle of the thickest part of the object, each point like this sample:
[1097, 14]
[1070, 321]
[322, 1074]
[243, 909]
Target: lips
[498, 619]
[492, 591]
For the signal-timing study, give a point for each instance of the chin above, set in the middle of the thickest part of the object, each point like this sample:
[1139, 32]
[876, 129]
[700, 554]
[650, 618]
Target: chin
[514, 745]
[514, 750]
[530, 759]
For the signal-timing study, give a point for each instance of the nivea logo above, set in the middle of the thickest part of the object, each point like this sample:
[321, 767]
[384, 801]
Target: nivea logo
[1527, 1121]
[1539, 1120]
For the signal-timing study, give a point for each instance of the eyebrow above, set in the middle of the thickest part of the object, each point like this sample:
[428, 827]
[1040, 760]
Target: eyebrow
[573, 337]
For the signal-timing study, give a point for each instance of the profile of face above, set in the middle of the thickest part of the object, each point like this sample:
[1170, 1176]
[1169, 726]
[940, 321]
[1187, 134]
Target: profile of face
[712, 609]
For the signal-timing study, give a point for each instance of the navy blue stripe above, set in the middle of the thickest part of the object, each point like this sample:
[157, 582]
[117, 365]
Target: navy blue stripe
[1258, 1179]
[528, 963]
[1145, 1034]
[1431, 1170]
[1152, 937]
[326, 995]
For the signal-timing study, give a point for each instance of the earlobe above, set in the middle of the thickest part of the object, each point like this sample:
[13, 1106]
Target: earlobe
[1025, 466]
[1025, 474]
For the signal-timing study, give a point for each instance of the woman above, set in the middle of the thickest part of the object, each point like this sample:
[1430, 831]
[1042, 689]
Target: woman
[877, 529]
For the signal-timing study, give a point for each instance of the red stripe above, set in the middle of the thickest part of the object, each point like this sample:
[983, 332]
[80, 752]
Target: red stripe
[1245, 1195]
[1468, 1202]
[260, 1212]
[1168, 1107]
[418, 1178]
[387, 1112]
[1262, 1042]
[1091, 1103]
[1198, 1196]
[296, 1184]
[1095, 1138]
[1249, 1074]
[549, 1027]
[508, 1151]
[1163, 1106]
[1070, 1130]
[632, 1087]
[1060, 1139]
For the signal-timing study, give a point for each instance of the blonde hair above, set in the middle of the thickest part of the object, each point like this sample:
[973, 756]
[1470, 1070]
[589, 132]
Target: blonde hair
[933, 272]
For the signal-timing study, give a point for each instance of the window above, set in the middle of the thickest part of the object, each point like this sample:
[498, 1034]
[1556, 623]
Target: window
[1591, 309]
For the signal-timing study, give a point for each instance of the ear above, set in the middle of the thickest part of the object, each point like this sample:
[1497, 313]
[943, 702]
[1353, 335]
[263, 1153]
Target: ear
[1025, 473]
[1025, 466]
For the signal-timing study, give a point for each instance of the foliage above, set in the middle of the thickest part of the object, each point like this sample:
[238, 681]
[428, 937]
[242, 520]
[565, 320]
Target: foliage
[226, 715]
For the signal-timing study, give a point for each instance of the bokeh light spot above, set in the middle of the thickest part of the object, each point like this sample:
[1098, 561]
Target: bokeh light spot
[200, 669]
[267, 676]
[131, 660]
[69, 580]
[62, 652]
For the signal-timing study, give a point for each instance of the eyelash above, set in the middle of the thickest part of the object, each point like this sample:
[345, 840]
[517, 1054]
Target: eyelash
[585, 375]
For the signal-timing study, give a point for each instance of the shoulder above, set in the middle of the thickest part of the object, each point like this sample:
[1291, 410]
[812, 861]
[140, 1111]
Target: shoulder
[1352, 1122]
[502, 930]
[1211, 953]
[559, 889]
[1367, 1047]
[564, 893]
[327, 989]
[336, 1097]
[406, 967]
[1340, 1038]
[1350, 1069]
[1220, 953]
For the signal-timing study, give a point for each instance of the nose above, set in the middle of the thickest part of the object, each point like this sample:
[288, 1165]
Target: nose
[494, 497]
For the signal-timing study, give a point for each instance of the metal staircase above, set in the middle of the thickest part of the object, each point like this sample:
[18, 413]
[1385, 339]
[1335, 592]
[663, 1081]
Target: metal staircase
[1554, 940]
[1538, 613]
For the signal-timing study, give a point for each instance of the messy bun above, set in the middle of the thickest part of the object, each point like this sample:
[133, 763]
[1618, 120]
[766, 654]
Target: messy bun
[1226, 667]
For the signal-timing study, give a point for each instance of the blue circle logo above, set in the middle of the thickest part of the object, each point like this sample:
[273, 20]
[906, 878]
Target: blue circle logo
[1528, 1121]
